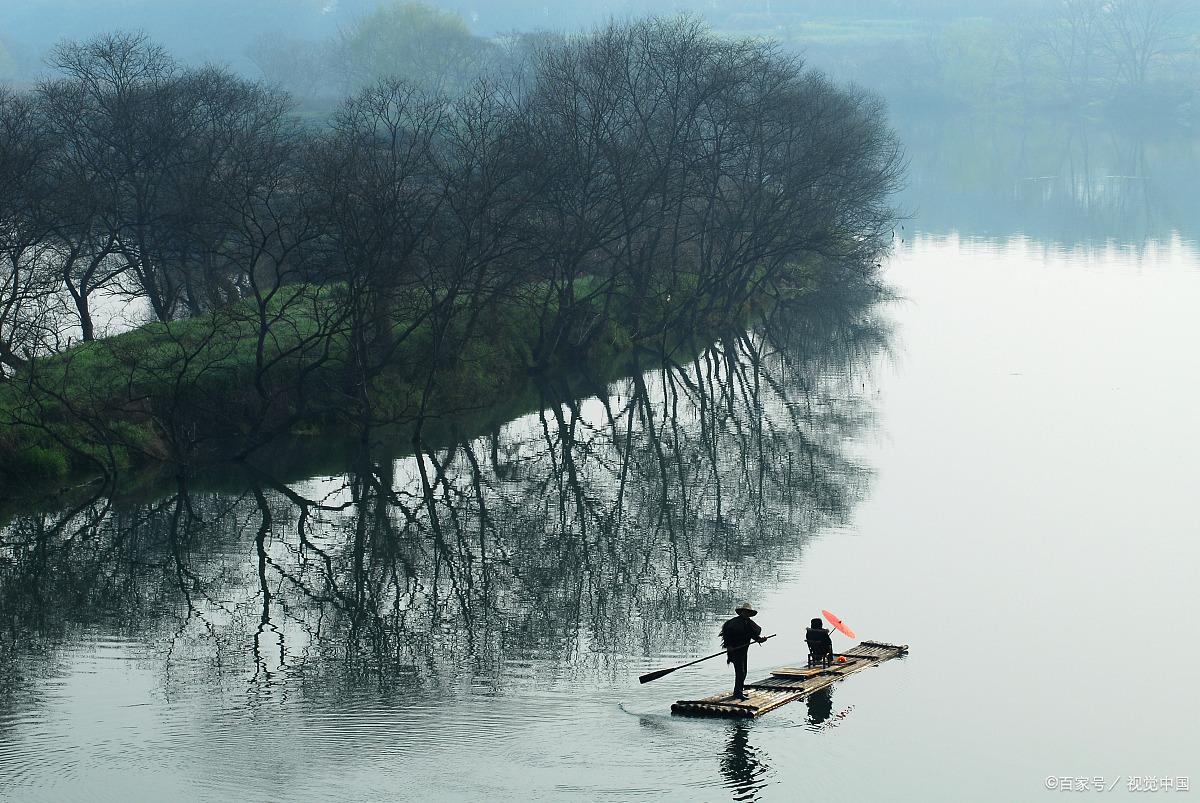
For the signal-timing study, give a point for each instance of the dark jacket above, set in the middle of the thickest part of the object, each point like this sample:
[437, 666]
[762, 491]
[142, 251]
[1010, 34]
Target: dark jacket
[818, 640]
[738, 632]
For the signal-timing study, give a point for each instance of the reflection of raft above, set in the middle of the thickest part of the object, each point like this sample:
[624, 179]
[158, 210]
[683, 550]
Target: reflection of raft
[790, 683]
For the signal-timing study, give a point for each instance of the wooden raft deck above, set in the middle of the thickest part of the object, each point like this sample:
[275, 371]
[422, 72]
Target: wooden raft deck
[789, 684]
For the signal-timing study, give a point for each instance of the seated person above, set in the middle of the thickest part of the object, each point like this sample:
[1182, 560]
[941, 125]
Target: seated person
[820, 646]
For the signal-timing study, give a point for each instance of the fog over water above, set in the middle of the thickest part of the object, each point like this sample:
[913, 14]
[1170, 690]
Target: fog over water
[993, 465]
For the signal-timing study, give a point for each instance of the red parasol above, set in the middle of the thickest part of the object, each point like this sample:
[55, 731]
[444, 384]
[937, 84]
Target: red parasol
[837, 623]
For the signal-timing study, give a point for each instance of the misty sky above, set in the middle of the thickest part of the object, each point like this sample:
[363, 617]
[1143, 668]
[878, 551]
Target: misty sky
[222, 30]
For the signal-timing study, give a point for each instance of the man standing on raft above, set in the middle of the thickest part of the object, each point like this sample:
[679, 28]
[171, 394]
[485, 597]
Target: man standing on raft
[736, 635]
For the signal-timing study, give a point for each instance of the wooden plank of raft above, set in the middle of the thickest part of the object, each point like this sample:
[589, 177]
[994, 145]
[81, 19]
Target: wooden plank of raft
[809, 672]
[761, 700]
[879, 644]
[781, 700]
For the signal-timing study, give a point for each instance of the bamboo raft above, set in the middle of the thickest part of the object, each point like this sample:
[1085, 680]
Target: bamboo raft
[789, 684]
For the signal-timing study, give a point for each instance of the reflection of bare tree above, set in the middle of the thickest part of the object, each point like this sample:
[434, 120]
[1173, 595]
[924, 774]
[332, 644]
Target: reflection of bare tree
[612, 522]
[1099, 184]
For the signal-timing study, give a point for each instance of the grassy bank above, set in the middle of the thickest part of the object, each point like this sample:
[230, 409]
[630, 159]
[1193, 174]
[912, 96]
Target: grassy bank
[194, 390]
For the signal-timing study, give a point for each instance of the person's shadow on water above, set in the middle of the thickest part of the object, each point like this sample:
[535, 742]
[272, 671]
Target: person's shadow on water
[820, 706]
[743, 765]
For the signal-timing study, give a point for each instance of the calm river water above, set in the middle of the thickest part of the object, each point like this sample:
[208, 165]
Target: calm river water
[997, 469]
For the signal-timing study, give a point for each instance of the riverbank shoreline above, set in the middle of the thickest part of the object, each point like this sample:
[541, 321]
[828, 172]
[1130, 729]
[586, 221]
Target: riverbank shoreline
[125, 403]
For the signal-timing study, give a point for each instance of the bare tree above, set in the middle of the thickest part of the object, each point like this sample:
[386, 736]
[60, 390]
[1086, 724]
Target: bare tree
[27, 288]
[1137, 33]
[378, 173]
[1073, 40]
[85, 235]
[121, 112]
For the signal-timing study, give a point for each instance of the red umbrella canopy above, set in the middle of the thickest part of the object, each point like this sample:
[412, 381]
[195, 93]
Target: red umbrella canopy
[837, 623]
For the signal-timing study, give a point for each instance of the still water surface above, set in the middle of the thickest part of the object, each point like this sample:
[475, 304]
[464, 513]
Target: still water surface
[997, 469]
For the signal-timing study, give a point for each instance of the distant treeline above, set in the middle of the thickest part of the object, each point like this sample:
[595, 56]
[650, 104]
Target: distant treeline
[1096, 56]
[1070, 55]
[1092, 55]
[418, 248]
[224, 30]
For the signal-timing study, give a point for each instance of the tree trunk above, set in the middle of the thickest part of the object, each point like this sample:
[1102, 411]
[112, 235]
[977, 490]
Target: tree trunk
[10, 358]
[86, 326]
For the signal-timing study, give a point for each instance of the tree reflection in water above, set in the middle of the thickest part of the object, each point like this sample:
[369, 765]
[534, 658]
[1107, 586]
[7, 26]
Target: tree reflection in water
[616, 521]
